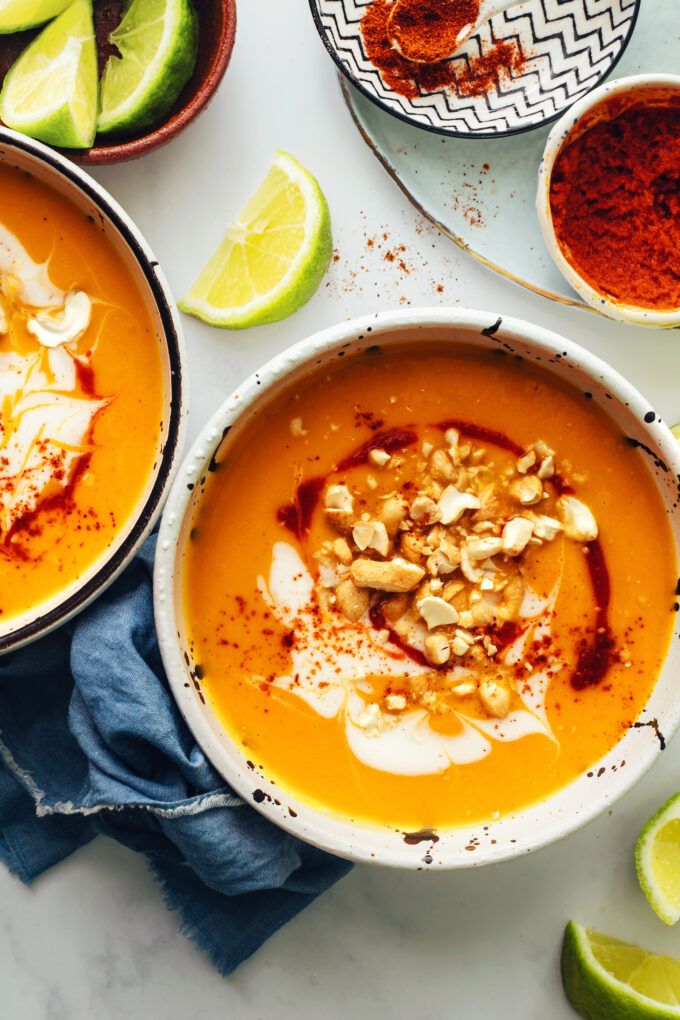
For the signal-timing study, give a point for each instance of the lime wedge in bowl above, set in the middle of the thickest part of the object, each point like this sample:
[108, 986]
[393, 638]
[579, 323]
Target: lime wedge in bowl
[657, 860]
[273, 257]
[158, 42]
[50, 92]
[605, 979]
[16, 15]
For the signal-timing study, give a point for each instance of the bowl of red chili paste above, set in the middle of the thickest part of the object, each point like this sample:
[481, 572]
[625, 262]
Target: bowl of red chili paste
[609, 199]
[518, 70]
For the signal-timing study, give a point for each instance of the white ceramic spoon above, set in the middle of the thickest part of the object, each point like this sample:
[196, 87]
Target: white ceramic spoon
[441, 48]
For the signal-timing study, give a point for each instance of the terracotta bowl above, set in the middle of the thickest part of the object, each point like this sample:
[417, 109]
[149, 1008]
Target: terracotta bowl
[217, 29]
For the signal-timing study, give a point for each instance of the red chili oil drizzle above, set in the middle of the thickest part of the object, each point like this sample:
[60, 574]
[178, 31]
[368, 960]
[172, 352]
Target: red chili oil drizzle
[60, 501]
[483, 434]
[561, 487]
[505, 634]
[297, 515]
[390, 441]
[378, 621]
[594, 658]
[85, 377]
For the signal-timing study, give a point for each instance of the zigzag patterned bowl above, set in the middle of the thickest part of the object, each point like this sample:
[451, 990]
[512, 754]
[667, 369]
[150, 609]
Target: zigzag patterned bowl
[569, 46]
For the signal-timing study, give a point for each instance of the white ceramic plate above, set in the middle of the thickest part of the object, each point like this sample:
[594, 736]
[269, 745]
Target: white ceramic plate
[468, 846]
[491, 212]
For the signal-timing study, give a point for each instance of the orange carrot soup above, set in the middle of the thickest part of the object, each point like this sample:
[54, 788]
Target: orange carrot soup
[81, 387]
[411, 593]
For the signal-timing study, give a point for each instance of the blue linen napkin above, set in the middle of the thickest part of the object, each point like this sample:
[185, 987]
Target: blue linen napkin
[92, 743]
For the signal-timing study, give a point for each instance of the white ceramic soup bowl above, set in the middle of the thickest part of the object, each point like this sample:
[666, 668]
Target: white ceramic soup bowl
[82, 191]
[568, 127]
[481, 843]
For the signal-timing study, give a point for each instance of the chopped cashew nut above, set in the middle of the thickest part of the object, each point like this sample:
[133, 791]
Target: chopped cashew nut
[483, 548]
[379, 457]
[577, 519]
[371, 535]
[547, 467]
[350, 600]
[441, 466]
[393, 575]
[437, 649]
[370, 720]
[296, 428]
[338, 497]
[526, 462]
[546, 528]
[527, 490]
[453, 504]
[464, 689]
[472, 573]
[436, 612]
[395, 702]
[342, 551]
[424, 510]
[495, 698]
[516, 535]
[393, 513]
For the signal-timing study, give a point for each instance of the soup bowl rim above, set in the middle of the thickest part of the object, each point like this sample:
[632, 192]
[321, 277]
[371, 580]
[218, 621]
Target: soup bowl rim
[562, 131]
[362, 841]
[37, 622]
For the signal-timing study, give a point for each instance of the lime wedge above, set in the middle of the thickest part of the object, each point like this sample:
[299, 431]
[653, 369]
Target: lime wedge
[273, 257]
[157, 41]
[50, 92]
[657, 859]
[16, 15]
[676, 431]
[605, 979]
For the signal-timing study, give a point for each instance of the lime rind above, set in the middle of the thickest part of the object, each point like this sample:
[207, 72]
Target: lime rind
[130, 101]
[18, 15]
[303, 276]
[665, 902]
[50, 92]
[595, 993]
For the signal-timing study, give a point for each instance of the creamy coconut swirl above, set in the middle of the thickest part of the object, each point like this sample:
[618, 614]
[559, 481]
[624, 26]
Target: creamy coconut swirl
[46, 413]
[331, 662]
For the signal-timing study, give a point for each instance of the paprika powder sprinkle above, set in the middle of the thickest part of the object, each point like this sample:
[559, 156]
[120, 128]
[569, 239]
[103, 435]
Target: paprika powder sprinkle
[468, 76]
[615, 202]
[427, 31]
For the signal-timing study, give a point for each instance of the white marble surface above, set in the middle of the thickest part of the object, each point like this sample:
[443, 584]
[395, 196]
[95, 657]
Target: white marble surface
[92, 940]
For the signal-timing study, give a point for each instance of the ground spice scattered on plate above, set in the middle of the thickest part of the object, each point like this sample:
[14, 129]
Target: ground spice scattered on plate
[615, 203]
[468, 76]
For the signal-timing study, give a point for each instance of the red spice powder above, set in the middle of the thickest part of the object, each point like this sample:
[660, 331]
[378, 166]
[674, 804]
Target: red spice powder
[615, 203]
[427, 30]
[468, 77]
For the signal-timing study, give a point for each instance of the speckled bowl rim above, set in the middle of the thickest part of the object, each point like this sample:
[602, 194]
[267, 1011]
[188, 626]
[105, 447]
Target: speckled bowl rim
[474, 136]
[557, 139]
[466, 846]
[144, 517]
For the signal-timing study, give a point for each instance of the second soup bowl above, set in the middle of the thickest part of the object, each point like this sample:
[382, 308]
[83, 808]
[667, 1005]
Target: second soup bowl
[522, 348]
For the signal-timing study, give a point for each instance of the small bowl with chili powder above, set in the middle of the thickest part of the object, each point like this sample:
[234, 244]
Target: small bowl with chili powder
[518, 70]
[608, 199]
